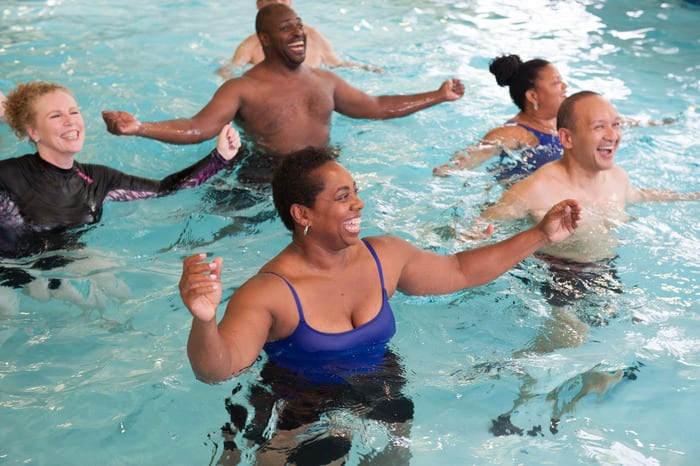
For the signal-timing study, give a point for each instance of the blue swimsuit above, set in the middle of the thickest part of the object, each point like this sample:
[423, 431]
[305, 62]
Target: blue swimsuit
[311, 375]
[333, 357]
[548, 149]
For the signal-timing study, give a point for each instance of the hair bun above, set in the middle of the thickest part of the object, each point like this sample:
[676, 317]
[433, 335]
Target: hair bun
[504, 68]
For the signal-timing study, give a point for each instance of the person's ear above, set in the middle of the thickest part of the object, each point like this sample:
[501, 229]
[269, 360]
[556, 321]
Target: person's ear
[32, 133]
[531, 96]
[300, 214]
[264, 39]
[565, 136]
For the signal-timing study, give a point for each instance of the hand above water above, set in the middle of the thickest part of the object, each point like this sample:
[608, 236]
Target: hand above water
[120, 123]
[229, 142]
[560, 221]
[452, 89]
[200, 286]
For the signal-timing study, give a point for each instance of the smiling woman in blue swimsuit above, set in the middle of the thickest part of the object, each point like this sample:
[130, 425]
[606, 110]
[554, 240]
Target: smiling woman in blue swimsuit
[529, 139]
[320, 312]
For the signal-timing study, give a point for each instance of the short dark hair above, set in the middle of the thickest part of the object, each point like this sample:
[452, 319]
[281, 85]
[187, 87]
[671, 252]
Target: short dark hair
[265, 13]
[565, 115]
[294, 181]
[519, 76]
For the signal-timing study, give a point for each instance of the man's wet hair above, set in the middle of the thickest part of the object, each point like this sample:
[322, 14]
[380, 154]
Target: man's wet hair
[565, 115]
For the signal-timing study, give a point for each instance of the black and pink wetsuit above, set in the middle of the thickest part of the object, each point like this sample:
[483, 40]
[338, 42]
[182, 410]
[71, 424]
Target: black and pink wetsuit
[39, 201]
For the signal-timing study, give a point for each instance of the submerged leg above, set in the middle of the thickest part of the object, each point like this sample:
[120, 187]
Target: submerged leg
[563, 330]
[590, 381]
[502, 425]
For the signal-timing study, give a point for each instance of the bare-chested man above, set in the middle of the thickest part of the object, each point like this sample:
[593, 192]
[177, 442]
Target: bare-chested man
[583, 275]
[319, 50]
[281, 104]
[589, 129]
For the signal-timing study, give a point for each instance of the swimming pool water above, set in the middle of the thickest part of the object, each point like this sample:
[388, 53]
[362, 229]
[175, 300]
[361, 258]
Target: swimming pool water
[109, 382]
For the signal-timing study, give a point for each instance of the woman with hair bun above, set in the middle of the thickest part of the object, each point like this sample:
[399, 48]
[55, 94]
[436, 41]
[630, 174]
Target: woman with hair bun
[529, 139]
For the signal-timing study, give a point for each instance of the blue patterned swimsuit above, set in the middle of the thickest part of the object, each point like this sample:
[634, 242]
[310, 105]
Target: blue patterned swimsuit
[548, 149]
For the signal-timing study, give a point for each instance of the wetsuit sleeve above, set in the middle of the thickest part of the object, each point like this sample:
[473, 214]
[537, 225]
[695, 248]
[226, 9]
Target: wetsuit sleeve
[11, 222]
[125, 187]
[10, 215]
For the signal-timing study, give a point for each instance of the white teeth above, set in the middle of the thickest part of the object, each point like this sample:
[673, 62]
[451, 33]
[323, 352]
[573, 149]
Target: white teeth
[70, 135]
[353, 225]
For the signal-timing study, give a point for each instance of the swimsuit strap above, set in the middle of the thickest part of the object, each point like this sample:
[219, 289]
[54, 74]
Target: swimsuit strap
[376, 259]
[536, 132]
[523, 125]
[296, 296]
[294, 293]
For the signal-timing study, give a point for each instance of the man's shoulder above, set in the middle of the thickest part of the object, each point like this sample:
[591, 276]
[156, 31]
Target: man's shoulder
[249, 42]
[542, 184]
[311, 31]
[548, 174]
[618, 171]
[248, 78]
[247, 50]
[618, 176]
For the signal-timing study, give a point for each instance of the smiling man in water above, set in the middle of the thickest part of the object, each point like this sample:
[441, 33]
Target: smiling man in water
[581, 267]
[281, 104]
[319, 50]
[590, 131]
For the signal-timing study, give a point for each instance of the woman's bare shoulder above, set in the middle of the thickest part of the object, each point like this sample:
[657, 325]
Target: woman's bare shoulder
[510, 136]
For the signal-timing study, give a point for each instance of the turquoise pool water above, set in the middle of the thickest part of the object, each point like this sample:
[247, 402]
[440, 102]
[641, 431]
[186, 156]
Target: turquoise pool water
[109, 382]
